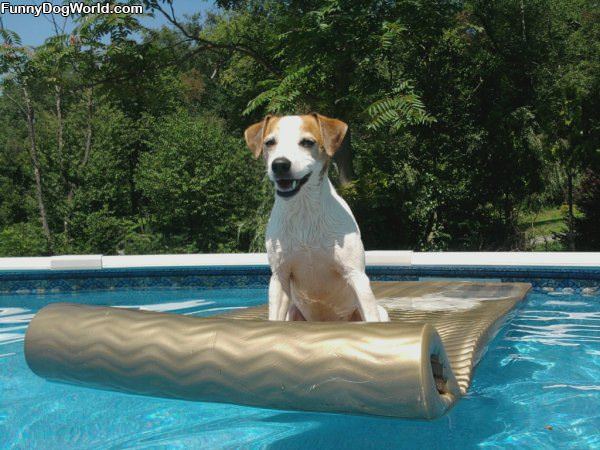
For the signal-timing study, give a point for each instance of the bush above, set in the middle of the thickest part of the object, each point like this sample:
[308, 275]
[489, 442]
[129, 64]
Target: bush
[98, 232]
[587, 227]
[22, 239]
[208, 180]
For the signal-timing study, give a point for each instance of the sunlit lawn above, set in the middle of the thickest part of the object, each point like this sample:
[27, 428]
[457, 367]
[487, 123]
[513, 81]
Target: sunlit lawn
[541, 227]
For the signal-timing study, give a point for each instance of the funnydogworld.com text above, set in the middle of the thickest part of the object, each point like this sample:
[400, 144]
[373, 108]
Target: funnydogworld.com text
[69, 9]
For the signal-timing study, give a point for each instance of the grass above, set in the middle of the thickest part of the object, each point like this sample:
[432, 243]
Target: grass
[540, 228]
[545, 222]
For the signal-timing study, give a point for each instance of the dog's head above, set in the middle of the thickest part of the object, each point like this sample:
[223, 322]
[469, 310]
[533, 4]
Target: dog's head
[296, 149]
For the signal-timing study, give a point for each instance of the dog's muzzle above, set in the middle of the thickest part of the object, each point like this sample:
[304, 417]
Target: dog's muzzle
[288, 187]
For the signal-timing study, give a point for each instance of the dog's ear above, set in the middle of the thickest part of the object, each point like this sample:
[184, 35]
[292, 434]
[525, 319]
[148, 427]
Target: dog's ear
[333, 132]
[254, 136]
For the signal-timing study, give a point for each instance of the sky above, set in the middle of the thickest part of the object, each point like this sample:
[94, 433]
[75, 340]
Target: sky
[34, 30]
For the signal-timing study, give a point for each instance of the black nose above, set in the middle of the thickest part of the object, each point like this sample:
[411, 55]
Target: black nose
[281, 165]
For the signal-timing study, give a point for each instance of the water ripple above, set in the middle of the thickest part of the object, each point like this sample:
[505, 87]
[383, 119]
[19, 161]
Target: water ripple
[537, 387]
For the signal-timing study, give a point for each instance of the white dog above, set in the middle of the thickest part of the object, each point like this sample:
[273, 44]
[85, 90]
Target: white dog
[313, 241]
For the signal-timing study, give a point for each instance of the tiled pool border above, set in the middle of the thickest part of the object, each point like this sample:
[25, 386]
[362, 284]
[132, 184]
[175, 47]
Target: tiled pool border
[545, 278]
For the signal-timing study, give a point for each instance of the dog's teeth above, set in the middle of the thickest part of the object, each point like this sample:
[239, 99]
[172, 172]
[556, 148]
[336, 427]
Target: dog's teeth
[294, 183]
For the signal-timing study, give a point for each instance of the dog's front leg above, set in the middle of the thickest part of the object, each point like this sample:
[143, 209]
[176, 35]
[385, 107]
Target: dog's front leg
[367, 303]
[279, 296]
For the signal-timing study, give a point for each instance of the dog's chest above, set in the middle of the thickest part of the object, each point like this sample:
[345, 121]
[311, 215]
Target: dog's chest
[316, 277]
[312, 264]
[313, 243]
[315, 232]
[316, 248]
[295, 256]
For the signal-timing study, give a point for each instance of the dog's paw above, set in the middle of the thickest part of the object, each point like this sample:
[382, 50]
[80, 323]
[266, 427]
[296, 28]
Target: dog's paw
[383, 314]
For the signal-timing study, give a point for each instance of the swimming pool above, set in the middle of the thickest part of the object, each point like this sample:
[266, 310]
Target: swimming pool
[537, 386]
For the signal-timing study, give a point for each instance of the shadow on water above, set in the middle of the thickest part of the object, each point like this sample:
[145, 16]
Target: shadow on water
[344, 431]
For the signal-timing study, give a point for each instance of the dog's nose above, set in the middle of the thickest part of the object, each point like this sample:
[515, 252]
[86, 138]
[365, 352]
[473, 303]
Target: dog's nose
[281, 165]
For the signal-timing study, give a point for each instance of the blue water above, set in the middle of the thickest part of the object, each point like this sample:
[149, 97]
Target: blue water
[538, 386]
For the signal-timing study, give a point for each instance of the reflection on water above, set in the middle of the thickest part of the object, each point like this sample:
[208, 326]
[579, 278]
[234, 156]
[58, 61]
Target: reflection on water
[558, 323]
[13, 323]
[180, 306]
[577, 388]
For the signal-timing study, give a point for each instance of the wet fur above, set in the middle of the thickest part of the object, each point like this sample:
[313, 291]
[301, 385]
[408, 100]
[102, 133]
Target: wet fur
[313, 241]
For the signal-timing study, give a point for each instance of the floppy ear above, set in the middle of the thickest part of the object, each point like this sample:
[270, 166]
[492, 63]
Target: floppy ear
[333, 132]
[254, 135]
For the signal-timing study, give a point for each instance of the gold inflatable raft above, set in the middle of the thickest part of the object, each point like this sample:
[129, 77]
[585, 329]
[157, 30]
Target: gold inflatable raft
[416, 366]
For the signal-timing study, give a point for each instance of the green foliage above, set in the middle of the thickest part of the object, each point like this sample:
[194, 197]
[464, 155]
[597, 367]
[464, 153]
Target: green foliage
[99, 231]
[207, 177]
[587, 227]
[22, 239]
[9, 37]
[401, 109]
[465, 118]
[281, 96]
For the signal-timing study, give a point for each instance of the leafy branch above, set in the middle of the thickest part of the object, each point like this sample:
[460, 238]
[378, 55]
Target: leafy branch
[401, 108]
[207, 44]
[282, 95]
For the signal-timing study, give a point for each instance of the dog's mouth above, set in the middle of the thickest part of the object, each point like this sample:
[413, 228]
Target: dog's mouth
[287, 187]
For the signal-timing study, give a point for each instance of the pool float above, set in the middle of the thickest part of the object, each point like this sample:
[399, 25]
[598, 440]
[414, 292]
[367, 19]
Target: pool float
[416, 366]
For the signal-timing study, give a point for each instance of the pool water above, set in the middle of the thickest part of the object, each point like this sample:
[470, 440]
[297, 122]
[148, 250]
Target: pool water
[538, 386]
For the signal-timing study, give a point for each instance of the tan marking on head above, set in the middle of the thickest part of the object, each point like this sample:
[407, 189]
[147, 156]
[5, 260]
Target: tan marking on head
[310, 125]
[272, 125]
[255, 134]
[331, 132]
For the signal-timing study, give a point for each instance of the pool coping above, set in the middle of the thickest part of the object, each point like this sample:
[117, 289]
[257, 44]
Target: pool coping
[377, 258]
[84, 272]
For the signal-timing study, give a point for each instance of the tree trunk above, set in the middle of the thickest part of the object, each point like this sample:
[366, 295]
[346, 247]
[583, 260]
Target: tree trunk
[74, 184]
[60, 145]
[571, 216]
[523, 30]
[88, 131]
[87, 148]
[37, 173]
[59, 128]
[133, 196]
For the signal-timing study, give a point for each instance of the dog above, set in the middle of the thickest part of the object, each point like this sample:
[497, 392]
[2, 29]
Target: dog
[313, 242]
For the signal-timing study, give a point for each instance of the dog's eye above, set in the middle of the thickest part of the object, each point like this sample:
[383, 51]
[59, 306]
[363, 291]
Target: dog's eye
[270, 142]
[307, 143]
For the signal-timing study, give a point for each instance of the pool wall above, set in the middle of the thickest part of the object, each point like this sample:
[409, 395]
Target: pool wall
[68, 273]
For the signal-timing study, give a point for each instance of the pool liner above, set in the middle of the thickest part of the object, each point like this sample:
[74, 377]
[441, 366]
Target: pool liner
[416, 366]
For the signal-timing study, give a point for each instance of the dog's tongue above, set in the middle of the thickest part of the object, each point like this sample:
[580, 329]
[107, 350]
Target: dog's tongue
[284, 184]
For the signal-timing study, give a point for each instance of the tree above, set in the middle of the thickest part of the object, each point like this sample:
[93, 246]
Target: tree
[19, 73]
[463, 117]
[206, 176]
